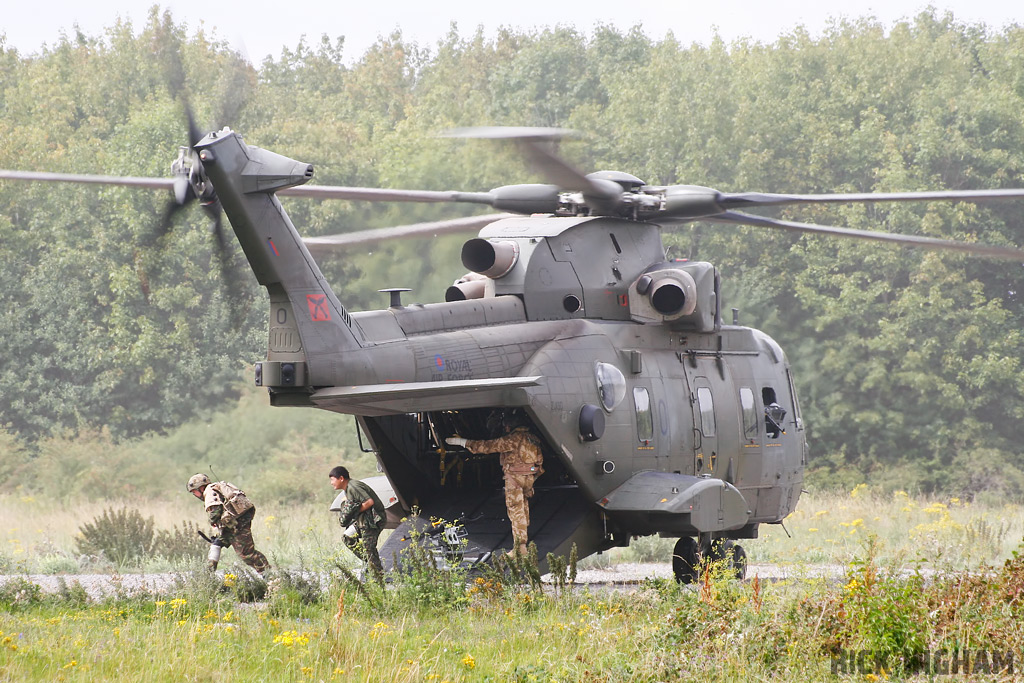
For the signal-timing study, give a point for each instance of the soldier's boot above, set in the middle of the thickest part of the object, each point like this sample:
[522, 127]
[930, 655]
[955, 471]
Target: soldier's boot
[522, 553]
[211, 565]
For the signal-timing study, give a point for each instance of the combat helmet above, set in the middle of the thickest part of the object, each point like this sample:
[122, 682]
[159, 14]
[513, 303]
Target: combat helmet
[197, 481]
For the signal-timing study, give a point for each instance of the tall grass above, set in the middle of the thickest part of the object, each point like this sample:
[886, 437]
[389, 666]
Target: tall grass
[830, 527]
[717, 630]
[38, 534]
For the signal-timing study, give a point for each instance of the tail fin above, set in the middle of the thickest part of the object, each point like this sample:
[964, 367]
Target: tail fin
[307, 322]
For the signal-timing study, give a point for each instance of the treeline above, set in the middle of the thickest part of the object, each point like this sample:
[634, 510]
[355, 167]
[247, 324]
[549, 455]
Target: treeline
[908, 362]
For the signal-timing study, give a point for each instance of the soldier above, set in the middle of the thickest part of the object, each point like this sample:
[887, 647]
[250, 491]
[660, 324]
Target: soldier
[521, 461]
[364, 511]
[231, 514]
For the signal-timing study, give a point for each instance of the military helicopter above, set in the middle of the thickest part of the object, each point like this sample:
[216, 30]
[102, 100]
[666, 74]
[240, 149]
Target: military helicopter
[655, 416]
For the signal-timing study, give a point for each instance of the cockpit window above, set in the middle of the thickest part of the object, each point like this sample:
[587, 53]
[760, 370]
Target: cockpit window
[611, 384]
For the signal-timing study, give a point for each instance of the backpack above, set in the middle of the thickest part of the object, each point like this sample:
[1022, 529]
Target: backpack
[235, 500]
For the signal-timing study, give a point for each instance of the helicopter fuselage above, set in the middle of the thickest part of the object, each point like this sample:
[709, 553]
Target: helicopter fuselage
[655, 417]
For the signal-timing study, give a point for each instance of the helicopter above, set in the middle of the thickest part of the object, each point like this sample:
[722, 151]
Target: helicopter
[654, 415]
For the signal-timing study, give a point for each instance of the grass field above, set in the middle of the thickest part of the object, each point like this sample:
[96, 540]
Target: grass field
[39, 536]
[901, 622]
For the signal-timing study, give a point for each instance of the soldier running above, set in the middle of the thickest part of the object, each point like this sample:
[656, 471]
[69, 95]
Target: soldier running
[231, 514]
[521, 461]
[364, 512]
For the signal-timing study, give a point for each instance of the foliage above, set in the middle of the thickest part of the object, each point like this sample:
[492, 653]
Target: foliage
[72, 594]
[293, 593]
[718, 629]
[423, 582]
[125, 537]
[248, 585]
[881, 611]
[122, 536]
[181, 543]
[907, 362]
[19, 593]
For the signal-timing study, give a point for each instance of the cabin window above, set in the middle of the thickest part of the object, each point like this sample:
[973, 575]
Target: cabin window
[774, 414]
[749, 410]
[707, 411]
[644, 417]
[611, 384]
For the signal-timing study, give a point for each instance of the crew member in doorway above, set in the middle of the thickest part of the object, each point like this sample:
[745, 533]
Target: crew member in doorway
[774, 414]
[521, 462]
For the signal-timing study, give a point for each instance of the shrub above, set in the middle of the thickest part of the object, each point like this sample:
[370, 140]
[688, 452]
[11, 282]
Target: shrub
[247, 584]
[180, 543]
[73, 594]
[57, 563]
[292, 593]
[19, 593]
[652, 549]
[122, 536]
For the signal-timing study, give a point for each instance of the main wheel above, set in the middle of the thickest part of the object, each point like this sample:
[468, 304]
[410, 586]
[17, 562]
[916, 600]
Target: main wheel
[723, 549]
[685, 560]
[739, 561]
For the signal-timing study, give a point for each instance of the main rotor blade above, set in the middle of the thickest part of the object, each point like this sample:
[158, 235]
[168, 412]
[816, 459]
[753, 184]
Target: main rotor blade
[533, 143]
[373, 194]
[312, 191]
[331, 243]
[748, 199]
[89, 179]
[736, 218]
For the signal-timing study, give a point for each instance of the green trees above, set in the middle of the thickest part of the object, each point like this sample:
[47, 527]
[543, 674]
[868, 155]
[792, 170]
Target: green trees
[908, 362]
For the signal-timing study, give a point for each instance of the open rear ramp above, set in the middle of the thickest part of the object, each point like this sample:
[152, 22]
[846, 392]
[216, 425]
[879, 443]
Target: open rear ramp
[467, 530]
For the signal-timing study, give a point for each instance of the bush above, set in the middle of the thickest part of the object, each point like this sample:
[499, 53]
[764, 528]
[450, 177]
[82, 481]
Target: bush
[652, 549]
[180, 543]
[57, 563]
[19, 593]
[123, 536]
[73, 594]
[247, 584]
[293, 593]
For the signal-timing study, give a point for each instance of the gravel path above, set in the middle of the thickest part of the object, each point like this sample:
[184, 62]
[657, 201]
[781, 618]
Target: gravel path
[103, 585]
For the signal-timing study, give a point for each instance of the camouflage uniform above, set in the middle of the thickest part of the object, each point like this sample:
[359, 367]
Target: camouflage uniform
[369, 524]
[521, 461]
[232, 513]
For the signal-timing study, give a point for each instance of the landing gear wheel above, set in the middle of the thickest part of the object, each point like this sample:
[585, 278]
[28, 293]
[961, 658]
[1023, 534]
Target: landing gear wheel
[723, 549]
[739, 561]
[685, 560]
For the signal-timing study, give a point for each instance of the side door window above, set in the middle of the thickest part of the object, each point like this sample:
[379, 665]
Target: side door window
[707, 411]
[749, 410]
[644, 415]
